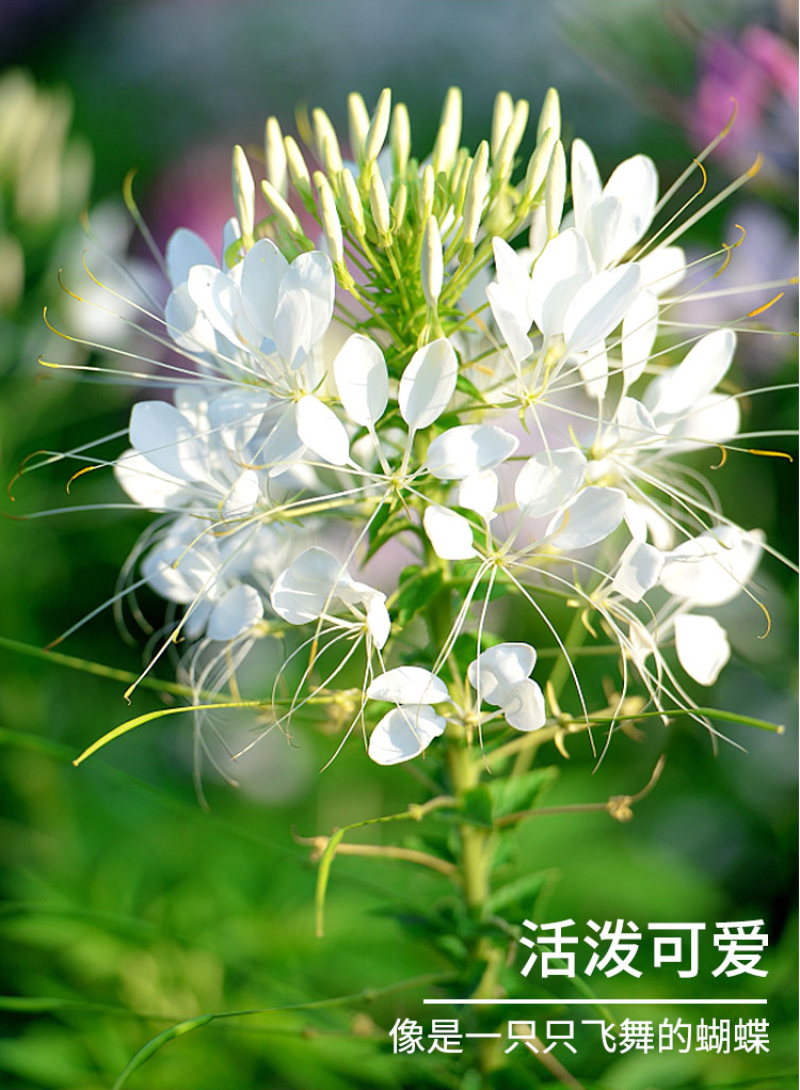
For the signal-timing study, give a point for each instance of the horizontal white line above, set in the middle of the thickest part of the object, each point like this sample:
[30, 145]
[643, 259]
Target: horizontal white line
[595, 1002]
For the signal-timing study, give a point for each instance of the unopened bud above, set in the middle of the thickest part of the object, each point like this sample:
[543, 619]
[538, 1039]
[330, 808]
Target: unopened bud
[399, 206]
[330, 218]
[501, 119]
[555, 189]
[537, 165]
[426, 187]
[449, 135]
[504, 161]
[400, 139]
[379, 204]
[327, 142]
[432, 264]
[298, 171]
[378, 126]
[244, 194]
[550, 116]
[357, 123]
[476, 193]
[282, 209]
[353, 207]
[275, 156]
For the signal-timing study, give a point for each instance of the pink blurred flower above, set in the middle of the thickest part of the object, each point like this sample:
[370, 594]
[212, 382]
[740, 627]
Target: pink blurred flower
[759, 72]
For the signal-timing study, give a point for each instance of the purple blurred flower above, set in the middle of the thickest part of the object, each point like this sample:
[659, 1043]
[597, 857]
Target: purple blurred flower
[760, 72]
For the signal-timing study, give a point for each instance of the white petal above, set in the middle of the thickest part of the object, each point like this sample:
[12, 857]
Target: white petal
[524, 707]
[638, 334]
[184, 249]
[635, 183]
[471, 448]
[379, 622]
[167, 439]
[715, 419]
[147, 485]
[593, 367]
[236, 611]
[186, 323]
[604, 224]
[634, 423]
[702, 646]
[322, 431]
[404, 733]
[305, 306]
[512, 323]
[282, 447]
[599, 306]
[712, 568]
[639, 568]
[291, 328]
[449, 533]
[549, 480]
[478, 492]
[235, 416]
[428, 383]
[635, 519]
[305, 588]
[242, 497]
[590, 517]
[263, 270]
[408, 685]
[696, 376]
[217, 297]
[513, 278]
[562, 268]
[499, 669]
[586, 185]
[362, 380]
[663, 269]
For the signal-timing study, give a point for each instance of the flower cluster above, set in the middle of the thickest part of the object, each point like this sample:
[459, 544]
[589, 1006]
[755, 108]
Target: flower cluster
[381, 412]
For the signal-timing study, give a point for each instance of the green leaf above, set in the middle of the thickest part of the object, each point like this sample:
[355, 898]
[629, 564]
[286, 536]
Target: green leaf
[477, 807]
[466, 387]
[520, 792]
[417, 587]
[520, 895]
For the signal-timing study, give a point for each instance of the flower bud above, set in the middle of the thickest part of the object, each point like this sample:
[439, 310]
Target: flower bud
[550, 116]
[244, 193]
[282, 209]
[400, 139]
[555, 189]
[449, 135]
[357, 124]
[476, 194]
[504, 161]
[330, 218]
[399, 206]
[275, 156]
[352, 202]
[432, 263]
[379, 203]
[378, 126]
[327, 142]
[537, 166]
[425, 194]
[501, 119]
[298, 171]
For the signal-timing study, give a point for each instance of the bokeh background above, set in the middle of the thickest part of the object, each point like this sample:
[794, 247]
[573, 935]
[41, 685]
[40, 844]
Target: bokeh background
[127, 907]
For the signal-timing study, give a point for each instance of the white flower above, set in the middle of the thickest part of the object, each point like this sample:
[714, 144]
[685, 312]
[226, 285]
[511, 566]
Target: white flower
[501, 676]
[196, 574]
[407, 730]
[316, 584]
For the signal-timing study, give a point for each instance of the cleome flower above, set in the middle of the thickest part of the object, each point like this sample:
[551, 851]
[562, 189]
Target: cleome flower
[380, 426]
